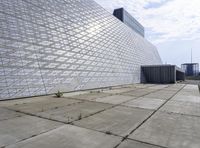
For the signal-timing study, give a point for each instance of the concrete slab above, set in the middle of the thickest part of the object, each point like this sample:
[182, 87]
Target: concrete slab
[171, 89]
[91, 96]
[75, 93]
[115, 99]
[135, 144]
[119, 91]
[41, 106]
[138, 93]
[146, 103]
[17, 129]
[130, 85]
[118, 120]
[69, 136]
[174, 87]
[189, 108]
[163, 91]
[135, 85]
[157, 87]
[189, 93]
[6, 114]
[186, 98]
[164, 95]
[24, 101]
[178, 85]
[170, 130]
[143, 85]
[191, 88]
[74, 112]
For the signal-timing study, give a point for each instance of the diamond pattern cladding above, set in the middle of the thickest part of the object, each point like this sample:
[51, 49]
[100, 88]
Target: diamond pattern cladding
[66, 45]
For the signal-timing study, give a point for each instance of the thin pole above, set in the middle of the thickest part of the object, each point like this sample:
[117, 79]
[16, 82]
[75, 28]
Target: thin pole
[191, 55]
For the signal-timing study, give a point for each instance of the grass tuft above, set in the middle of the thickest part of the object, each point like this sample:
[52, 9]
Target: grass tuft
[59, 94]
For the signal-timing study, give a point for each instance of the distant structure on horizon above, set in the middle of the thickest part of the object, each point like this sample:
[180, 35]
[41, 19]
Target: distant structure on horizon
[191, 69]
[129, 20]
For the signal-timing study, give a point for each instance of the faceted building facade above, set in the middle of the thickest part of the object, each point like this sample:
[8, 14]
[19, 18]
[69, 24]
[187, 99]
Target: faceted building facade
[66, 45]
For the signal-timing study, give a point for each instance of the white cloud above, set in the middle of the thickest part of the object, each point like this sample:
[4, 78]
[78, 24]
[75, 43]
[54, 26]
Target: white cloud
[175, 19]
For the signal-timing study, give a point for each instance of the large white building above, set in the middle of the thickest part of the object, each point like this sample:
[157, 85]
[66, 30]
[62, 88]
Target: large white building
[66, 45]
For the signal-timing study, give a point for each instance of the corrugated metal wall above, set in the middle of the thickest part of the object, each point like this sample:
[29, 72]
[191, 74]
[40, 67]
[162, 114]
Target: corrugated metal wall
[158, 74]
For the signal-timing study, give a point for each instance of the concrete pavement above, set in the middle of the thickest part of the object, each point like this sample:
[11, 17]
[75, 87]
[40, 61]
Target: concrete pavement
[129, 116]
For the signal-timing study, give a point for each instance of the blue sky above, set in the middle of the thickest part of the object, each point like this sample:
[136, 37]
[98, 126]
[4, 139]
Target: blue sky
[172, 25]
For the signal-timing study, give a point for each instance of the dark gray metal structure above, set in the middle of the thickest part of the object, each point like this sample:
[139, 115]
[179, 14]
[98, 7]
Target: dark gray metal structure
[129, 20]
[190, 69]
[161, 74]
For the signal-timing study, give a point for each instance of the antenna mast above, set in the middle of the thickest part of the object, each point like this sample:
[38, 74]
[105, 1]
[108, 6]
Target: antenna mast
[191, 55]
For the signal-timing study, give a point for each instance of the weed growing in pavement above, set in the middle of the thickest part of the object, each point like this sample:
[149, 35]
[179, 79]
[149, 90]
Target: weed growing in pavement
[59, 94]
